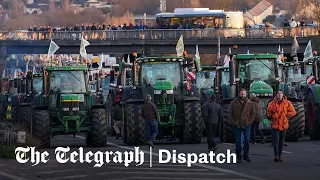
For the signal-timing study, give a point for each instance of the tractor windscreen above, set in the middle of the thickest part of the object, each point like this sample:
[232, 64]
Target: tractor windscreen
[152, 71]
[298, 77]
[225, 77]
[37, 84]
[257, 69]
[67, 81]
[205, 82]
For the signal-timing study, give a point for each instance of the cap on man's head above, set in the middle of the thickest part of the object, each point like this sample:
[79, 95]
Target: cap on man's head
[253, 95]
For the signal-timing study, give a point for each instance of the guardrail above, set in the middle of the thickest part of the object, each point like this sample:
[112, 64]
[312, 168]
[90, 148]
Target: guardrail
[162, 34]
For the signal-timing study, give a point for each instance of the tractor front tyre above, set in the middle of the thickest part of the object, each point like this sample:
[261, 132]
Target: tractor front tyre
[25, 113]
[313, 118]
[227, 130]
[192, 131]
[41, 131]
[98, 136]
[296, 123]
[135, 125]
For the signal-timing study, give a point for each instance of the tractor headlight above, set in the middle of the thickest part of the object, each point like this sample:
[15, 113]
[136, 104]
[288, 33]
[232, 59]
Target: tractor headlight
[169, 91]
[75, 109]
[157, 91]
[65, 109]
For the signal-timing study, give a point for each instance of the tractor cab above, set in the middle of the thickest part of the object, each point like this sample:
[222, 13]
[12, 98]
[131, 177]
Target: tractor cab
[66, 106]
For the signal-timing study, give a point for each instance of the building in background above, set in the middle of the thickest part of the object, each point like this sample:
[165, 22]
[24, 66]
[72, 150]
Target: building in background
[258, 13]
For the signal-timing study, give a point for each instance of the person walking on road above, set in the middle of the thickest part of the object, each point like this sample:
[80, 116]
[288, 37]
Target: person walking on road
[151, 116]
[212, 115]
[117, 119]
[258, 118]
[241, 114]
[278, 111]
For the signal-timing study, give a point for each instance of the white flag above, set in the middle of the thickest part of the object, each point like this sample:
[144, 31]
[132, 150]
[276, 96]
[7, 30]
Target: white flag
[295, 46]
[128, 59]
[197, 56]
[180, 46]
[52, 49]
[101, 61]
[226, 60]
[308, 52]
[84, 44]
[4, 73]
[279, 49]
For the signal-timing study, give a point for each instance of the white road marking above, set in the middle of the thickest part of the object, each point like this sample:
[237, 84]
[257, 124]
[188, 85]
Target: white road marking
[197, 164]
[11, 176]
[287, 152]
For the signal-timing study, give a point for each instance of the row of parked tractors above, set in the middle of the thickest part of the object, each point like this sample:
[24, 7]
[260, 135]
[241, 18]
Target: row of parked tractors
[77, 98]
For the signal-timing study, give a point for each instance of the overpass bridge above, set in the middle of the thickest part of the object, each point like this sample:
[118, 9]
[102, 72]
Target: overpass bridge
[156, 41]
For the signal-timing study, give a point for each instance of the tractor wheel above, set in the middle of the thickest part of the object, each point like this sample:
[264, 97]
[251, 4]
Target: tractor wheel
[192, 131]
[227, 127]
[313, 118]
[135, 126]
[296, 123]
[25, 113]
[41, 130]
[98, 136]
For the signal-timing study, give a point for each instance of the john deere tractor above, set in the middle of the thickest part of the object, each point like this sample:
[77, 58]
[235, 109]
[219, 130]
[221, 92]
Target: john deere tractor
[262, 75]
[66, 106]
[311, 93]
[177, 100]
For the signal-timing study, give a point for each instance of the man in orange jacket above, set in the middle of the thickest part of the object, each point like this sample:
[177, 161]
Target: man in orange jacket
[278, 111]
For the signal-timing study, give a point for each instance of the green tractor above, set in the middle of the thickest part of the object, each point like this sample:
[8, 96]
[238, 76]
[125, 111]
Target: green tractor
[176, 98]
[260, 74]
[67, 106]
[311, 91]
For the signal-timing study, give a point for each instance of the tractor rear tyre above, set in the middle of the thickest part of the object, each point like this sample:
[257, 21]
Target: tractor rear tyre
[25, 112]
[227, 129]
[313, 118]
[135, 134]
[42, 127]
[296, 123]
[192, 130]
[98, 136]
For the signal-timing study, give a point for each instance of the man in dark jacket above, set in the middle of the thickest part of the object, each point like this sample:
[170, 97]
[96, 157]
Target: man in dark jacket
[212, 115]
[259, 117]
[150, 115]
[241, 114]
[117, 118]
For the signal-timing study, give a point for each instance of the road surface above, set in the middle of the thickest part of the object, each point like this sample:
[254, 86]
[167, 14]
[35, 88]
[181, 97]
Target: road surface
[301, 161]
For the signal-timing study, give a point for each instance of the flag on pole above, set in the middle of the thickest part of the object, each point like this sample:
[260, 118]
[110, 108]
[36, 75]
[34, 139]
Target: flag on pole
[279, 49]
[84, 44]
[128, 59]
[52, 49]
[308, 52]
[226, 60]
[197, 56]
[295, 46]
[4, 73]
[101, 61]
[180, 46]
[248, 52]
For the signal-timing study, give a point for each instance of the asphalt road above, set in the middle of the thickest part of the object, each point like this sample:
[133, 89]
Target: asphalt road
[301, 161]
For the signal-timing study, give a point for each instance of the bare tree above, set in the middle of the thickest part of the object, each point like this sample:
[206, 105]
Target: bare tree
[316, 11]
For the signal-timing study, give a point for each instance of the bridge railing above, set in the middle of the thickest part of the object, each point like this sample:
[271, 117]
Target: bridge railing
[162, 34]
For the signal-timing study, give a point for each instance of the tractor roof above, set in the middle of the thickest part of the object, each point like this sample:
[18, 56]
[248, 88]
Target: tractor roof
[160, 58]
[66, 68]
[255, 56]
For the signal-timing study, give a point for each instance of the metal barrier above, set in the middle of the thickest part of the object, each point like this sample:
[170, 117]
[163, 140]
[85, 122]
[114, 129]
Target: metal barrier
[162, 34]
